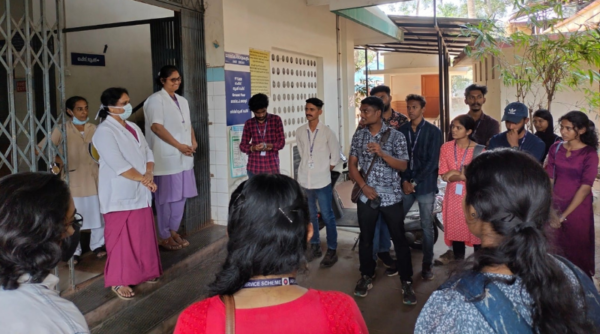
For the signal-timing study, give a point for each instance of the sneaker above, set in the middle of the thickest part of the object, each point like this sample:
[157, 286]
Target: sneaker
[444, 259]
[427, 273]
[408, 294]
[364, 284]
[330, 258]
[314, 251]
[391, 271]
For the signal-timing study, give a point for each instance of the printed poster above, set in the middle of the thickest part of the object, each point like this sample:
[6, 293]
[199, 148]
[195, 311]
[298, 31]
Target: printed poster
[260, 67]
[238, 159]
[237, 94]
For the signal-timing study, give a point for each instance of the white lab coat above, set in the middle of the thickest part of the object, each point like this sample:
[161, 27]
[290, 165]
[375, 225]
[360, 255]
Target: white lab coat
[161, 109]
[119, 151]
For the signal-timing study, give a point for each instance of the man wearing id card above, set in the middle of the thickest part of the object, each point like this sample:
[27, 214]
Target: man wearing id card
[419, 180]
[262, 138]
[319, 151]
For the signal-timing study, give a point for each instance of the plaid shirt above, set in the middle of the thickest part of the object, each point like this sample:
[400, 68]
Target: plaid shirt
[270, 132]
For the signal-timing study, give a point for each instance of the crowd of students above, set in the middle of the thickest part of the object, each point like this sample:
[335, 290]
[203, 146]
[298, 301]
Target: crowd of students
[529, 218]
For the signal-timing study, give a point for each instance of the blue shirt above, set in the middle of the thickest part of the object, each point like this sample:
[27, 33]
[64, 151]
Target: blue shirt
[424, 153]
[530, 143]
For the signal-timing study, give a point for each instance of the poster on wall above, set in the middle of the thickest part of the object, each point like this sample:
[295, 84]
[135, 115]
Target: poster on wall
[260, 67]
[238, 158]
[237, 90]
[237, 59]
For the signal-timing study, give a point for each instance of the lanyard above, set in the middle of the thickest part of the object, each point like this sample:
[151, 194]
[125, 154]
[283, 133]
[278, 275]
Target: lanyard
[267, 283]
[312, 145]
[463, 158]
[174, 98]
[262, 135]
[413, 145]
[477, 127]
[524, 137]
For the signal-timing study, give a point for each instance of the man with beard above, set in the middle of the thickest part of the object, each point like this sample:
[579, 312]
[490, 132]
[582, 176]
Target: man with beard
[319, 152]
[516, 116]
[262, 138]
[485, 126]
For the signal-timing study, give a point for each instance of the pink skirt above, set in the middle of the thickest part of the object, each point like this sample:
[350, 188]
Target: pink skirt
[132, 248]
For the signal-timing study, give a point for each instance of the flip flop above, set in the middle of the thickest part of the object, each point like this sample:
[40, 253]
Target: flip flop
[154, 280]
[181, 241]
[116, 288]
[165, 244]
[100, 252]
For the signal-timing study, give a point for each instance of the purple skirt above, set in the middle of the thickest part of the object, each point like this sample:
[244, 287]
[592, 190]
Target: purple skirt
[175, 187]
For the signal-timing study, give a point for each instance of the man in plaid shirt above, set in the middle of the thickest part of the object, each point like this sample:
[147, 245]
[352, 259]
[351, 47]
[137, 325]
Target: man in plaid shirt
[262, 138]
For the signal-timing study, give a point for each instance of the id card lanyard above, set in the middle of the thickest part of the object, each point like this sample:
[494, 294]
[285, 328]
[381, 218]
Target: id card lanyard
[459, 186]
[412, 149]
[311, 144]
[262, 136]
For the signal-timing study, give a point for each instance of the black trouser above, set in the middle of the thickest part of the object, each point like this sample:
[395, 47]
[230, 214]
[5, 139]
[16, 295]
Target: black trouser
[458, 247]
[393, 216]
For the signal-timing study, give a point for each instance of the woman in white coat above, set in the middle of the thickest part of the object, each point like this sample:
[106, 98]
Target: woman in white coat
[171, 138]
[125, 190]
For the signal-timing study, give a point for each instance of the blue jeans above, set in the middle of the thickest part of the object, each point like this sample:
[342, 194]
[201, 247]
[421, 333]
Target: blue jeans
[383, 240]
[426, 214]
[324, 196]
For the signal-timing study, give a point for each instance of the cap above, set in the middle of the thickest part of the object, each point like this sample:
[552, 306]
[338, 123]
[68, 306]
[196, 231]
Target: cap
[515, 112]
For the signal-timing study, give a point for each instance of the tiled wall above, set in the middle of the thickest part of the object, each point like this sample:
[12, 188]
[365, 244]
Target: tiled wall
[219, 164]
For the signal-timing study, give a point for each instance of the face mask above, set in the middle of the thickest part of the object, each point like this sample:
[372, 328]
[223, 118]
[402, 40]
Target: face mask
[128, 110]
[69, 245]
[78, 122]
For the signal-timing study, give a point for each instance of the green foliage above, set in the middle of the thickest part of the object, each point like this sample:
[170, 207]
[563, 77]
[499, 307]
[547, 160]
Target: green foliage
[541, 65]
[359, 59]
[459, 84]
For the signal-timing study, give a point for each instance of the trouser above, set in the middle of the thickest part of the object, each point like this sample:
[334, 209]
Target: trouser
[394, 218]
[459, 249]
[324, 197]
[426, 215]
[96, 240]
[382, 241]
[169, 216]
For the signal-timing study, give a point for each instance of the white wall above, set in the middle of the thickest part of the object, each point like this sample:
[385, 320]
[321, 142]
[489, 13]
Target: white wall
[128, 57]
[409, 60]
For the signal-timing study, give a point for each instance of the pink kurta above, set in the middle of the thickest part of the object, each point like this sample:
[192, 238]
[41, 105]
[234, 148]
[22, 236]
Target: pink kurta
[455, 224]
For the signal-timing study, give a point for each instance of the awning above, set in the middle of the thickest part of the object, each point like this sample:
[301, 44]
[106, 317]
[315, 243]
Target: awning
[421, 35]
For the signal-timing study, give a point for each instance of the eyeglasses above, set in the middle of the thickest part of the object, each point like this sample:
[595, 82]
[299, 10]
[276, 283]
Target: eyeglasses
[77, 220]
[175, 80]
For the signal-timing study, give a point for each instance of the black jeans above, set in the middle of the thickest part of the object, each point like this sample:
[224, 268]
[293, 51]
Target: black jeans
[393, 216]
[459, 249]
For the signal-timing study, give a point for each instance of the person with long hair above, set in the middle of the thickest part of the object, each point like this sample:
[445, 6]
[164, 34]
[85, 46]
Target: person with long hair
[126, 186]
[269, 229]
[544, 126]
[513, 281]
[573, 166]
[171, 137]
[455, 155]
[39, 227]
[83, 172]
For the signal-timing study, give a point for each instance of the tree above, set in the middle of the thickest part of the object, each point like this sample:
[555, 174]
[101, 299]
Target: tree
[541, 65]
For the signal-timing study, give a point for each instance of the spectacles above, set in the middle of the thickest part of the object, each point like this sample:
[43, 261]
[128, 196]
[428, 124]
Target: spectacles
[175, 80]
[77, 220]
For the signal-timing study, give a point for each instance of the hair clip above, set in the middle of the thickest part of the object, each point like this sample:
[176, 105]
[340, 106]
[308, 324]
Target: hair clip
[522, 226]
[286, 216]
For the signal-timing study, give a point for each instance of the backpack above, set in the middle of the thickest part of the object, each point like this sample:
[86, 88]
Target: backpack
[499, 311]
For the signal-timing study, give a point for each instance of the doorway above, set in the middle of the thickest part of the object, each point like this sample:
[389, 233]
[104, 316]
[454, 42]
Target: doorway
[430, 90]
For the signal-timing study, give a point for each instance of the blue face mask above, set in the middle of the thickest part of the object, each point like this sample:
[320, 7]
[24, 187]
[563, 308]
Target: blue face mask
[79, 122]
[127, 111]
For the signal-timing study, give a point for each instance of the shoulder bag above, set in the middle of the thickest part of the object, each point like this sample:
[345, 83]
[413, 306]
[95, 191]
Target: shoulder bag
[356, 190]
[229, 313]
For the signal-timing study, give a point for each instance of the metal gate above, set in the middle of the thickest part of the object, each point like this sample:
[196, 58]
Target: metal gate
[32, 61]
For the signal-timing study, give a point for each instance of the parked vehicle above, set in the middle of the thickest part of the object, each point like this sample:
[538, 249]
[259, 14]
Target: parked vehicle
[412, 221]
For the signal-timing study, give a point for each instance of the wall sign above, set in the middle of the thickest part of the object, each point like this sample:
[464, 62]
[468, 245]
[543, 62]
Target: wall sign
[86, 59]
[238, 159]
[237, 94]
[237, 59]
[260, 67]
[20, 85]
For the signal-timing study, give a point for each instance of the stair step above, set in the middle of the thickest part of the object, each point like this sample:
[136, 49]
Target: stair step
[157, 312]
[98, 303]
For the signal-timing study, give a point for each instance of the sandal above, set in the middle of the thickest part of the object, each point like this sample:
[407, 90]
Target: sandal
[181, 241]
[116, 289]
[76, 259]
[154, 280]
[100, 252]
[169, 244]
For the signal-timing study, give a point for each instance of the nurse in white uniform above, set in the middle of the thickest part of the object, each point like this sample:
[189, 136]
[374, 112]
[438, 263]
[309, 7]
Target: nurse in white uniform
[171, 137]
